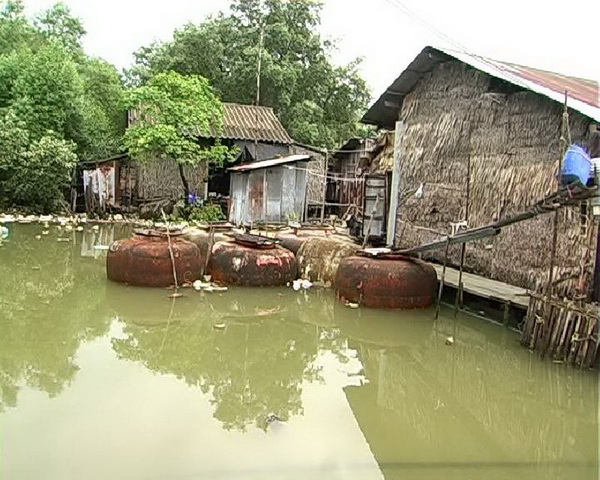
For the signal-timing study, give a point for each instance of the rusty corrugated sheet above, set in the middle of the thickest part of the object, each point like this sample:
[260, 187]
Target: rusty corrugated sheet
[584, 95]
[579, 88]
[249, 122]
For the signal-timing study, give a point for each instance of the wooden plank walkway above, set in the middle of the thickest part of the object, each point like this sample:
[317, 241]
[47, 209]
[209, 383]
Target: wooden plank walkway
[484, 287]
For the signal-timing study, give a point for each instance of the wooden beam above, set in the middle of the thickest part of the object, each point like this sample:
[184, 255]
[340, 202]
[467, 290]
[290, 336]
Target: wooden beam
[395, 188]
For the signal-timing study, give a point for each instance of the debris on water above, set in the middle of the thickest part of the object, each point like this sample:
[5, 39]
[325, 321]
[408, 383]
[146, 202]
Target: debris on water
[199, 285]
[45, 232]
[101, 247]
[352, 305]
[208, 287]
[63, 239]
[450, 340]
[95, 227]
[36, 267]
[175, 295]
[301, 283]
[4, 231]
[38, 237]
[271, 417]
[79, 228]
[207, 278]
[219, 326]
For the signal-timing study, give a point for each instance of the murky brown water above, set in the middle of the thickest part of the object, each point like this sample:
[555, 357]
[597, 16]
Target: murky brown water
[101, 381]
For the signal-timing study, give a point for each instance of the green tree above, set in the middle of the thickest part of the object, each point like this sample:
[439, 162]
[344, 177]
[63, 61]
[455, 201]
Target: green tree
[58, 24]
[171, 111]
[318, 102]
[33, 172]
[104, 117]
[48, 81]
[15, 30]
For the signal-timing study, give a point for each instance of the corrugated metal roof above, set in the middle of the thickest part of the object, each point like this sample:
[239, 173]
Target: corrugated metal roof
[584, 95]
[269, 163]
[249, 122]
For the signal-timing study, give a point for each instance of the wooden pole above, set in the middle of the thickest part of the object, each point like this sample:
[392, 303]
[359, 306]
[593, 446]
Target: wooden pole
[324, 187]
[441, 289]
[395, 189]
[546, 327]
[458, 302]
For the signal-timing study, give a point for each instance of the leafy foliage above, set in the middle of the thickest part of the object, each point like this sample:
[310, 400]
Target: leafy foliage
[33, 172]
[63, 100]
[171, 110]
[59, 25]
[51, 85]
[318, 102]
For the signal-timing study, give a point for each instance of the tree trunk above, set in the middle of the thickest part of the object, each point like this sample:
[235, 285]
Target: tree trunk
[186, 185]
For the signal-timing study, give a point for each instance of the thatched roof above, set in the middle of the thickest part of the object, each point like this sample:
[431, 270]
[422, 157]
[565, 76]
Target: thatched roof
[584, 95]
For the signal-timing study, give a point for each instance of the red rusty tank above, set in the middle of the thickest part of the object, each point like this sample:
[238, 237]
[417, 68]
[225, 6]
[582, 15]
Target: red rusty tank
[145, 261]
[398, 282]
[233, 263]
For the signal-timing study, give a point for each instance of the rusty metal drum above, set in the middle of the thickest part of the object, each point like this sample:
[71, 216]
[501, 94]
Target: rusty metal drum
[145, 260]
[232, 263]
[400, 282]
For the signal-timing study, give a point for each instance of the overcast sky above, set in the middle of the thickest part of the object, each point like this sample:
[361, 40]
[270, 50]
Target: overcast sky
[386, 33]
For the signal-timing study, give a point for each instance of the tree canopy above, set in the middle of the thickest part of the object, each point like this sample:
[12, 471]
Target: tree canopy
[171, 110]
[57, 97]
[318, 102]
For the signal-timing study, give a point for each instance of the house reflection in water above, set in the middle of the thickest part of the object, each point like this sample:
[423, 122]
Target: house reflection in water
[482, 408]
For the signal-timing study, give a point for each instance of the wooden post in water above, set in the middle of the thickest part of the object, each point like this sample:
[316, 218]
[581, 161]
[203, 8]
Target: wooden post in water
[395, 188]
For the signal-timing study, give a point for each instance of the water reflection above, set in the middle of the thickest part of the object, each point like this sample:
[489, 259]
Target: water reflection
[252, 366]
[47, 302]
[482, 407]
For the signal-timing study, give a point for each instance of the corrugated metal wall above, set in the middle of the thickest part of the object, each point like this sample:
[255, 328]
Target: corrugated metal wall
[275, 194]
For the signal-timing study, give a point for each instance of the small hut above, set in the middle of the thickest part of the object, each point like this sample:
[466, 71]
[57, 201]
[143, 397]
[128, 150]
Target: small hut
[481, 140]
[119, 183]
[269, 191]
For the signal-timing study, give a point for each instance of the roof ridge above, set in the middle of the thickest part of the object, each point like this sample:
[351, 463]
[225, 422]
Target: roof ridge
[234, 104]
[511, 64]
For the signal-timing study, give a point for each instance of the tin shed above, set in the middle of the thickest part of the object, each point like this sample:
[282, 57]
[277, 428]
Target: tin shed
[269, 191]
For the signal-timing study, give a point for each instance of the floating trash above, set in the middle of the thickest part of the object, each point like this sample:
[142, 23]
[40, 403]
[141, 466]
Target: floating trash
[4, 231]
[351, 305]
[45, 232]
[219, 326]
[62, 239]
[450, 341]
[301, 284]
[199, 285]
[101, 247]
[79, 229]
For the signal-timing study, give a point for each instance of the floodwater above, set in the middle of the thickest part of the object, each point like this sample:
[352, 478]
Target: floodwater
[102, 381]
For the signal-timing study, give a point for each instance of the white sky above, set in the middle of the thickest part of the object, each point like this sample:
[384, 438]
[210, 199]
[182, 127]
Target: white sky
[561, 38]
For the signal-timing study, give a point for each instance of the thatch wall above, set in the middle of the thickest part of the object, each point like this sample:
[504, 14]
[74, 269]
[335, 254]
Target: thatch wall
[159, 180]
[457, 115]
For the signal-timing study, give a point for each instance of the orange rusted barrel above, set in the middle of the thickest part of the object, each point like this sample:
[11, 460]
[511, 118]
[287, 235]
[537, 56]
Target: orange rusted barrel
[398, 282]
[232, 263]
[145, 261]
